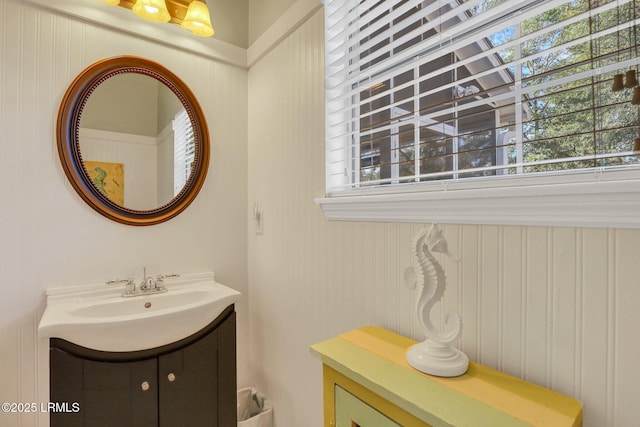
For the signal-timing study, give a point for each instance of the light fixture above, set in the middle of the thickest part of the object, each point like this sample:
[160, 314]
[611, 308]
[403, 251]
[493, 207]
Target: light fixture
[192, 15]
[152, 10]
[197, 19]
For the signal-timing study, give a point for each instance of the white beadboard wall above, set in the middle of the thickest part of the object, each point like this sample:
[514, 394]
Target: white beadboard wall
[50, 238]
[555, 306]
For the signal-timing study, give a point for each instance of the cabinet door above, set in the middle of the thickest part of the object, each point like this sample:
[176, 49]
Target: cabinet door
[108, 394]
[198, 382]
[353, 412]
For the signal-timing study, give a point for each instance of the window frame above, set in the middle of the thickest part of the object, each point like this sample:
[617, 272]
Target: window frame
[595, 197]
[589, 199]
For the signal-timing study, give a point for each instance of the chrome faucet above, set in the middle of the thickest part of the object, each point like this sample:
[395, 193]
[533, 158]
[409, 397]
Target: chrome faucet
[148, 285]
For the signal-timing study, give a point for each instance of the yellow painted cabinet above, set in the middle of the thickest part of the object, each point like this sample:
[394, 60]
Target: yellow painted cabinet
[348, 403]
[367, 382]
[353, 412]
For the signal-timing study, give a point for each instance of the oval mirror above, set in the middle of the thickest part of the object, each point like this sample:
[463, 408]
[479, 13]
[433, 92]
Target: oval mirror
[133, 140]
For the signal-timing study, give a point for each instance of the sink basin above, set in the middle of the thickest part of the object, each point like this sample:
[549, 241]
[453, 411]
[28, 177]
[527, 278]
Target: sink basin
[97, 317]
[141, 306]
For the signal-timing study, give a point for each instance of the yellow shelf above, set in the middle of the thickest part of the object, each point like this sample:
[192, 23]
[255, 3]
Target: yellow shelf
[372, 361]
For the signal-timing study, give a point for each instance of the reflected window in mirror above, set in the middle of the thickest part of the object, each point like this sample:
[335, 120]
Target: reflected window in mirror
[184, 150]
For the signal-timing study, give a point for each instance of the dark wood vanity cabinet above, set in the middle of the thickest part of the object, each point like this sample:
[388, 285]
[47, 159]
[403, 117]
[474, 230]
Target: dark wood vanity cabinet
[191, 383]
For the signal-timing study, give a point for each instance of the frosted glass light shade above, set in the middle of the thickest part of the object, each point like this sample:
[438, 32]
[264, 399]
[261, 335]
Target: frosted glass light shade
[152, 10]
[113, 2]
[197, 19]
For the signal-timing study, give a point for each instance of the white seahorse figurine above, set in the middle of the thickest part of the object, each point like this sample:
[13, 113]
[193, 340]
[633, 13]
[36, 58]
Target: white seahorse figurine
[434, 355]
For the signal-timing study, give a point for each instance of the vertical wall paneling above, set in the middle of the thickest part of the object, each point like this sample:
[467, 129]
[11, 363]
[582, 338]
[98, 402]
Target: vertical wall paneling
[535, 334]
[4, 187]
[563, 335]
[512, 302]
[471, 290]
[31, 162]
[595, 289]
[627, 293]
[550, 321]
[556, 306]
[578, 303]
[611, 324]
[489, 301]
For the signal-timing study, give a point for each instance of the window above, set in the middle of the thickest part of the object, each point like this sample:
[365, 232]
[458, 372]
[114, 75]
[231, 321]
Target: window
[184, 149]
[451, 101]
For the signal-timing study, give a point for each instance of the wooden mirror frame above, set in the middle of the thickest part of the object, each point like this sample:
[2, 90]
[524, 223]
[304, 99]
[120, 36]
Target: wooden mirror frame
[68, 126]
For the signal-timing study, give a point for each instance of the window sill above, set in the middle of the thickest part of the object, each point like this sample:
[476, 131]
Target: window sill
[601, 199]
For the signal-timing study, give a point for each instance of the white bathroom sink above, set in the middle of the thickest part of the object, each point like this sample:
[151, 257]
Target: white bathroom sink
[98, 317]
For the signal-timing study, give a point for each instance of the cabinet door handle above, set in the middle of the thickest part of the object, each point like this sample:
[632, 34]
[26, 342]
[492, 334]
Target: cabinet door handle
[171, 377]
[145, 386]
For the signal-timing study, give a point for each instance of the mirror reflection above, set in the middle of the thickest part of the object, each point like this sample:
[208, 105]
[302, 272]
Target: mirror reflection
[136, 141]
[126, 144]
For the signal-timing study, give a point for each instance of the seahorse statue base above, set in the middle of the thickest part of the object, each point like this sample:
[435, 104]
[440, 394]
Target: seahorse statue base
[434, 358]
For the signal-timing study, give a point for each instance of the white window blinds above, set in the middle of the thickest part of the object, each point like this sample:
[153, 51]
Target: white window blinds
[423, 91]
[183, 150]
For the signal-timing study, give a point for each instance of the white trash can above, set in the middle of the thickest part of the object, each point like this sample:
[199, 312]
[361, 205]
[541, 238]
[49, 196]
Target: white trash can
[253, 409]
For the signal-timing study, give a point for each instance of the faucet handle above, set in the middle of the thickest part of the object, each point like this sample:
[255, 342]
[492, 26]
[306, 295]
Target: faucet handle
[129, 286]
[160, 279]
[119, 281]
